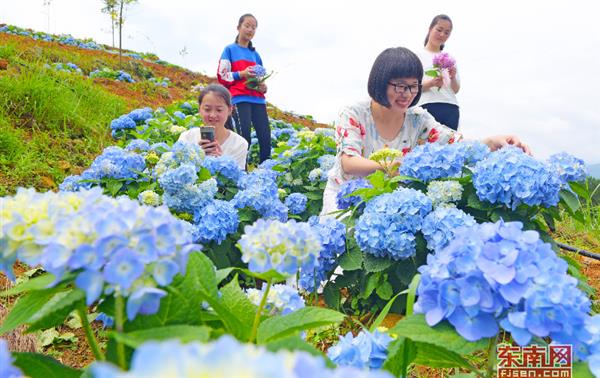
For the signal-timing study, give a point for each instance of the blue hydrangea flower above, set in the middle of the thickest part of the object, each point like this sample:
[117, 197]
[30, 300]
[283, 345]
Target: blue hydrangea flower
[432, 161]
[347, 188]
[366, 350]
[296, 202]
[439, 226]
[106, 320]
[259, 191]
[144, 300]
[496, 274]
[73, 183]
[7, 369]
[326, 162]
[174, 180]
[389, 222]
[511, 177]
[187, 106]
[259, 71]
[141, 115]
[332, 233]
[281, 300]
[171, 358]
[284, 247]
[124, 122]
[569, 168]
[178, 114]
[114, 162]
[474, 151]
[191, 198]
[216, 220]
[317, 174]
[223, 165]
[137, 145]
[179, 154]
[109, 244]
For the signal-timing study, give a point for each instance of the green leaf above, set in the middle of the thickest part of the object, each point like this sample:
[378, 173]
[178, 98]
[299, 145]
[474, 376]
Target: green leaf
[204, 174]
[113, 187]
[36, 283]
[580, 190]
[55, 311]
[184, 333]
[384, 290]
[221, 274]
[353, 257]
[279, 327]
[376, 264]
[331, 294]
[439, 357]
[272, 274]
[443, 334]
[293, 343]
[412, 293]
[383, 313]
[26, 307]
[432, 73]
[581, 370]
[236, 310]
[401, 353]
[377, 179]
[570, 200]
[183, 303]
[36, 365]
[371, 284]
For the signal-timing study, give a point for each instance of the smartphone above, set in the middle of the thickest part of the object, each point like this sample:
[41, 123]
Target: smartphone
[207, 133]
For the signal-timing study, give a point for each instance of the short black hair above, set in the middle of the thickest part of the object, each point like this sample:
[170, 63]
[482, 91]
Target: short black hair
[393, 63]
[218, 90]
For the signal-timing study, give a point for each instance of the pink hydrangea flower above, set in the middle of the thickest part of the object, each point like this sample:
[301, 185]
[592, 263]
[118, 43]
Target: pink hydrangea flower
[443, 61]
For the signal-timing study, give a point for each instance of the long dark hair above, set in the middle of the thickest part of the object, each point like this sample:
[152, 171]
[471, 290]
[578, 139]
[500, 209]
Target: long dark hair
[240, 22]
[434, 22]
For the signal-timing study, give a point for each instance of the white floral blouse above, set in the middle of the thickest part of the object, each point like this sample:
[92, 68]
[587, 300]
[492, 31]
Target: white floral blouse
[356, 135]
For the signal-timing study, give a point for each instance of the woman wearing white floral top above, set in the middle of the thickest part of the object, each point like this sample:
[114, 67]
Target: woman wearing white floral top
[388, 120]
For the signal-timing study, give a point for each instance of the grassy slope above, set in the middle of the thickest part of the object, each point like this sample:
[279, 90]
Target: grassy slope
[53, 124]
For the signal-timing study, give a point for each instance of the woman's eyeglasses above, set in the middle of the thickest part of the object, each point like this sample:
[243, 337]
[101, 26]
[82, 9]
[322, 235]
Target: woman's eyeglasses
[403, 88]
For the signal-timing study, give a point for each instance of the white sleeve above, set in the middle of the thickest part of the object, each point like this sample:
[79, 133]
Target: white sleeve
[190, 136]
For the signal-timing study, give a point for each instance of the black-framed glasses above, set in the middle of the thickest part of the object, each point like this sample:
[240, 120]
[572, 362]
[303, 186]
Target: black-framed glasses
[403, 88]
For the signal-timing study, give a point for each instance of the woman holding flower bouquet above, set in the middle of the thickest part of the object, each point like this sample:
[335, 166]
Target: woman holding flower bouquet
[388, 119]
[241, 71]
[441, 82]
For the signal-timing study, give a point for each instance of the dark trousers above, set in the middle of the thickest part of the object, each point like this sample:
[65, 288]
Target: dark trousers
[446, 114]
[247, 114]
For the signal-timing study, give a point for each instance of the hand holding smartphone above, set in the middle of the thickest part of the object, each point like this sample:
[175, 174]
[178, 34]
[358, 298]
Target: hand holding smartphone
[207, 133]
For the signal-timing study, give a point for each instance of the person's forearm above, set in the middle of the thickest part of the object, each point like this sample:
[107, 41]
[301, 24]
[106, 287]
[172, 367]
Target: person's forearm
[359, 166]
[455, 85]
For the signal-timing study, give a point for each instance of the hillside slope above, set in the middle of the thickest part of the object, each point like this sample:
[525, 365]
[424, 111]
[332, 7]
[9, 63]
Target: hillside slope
[53, 122]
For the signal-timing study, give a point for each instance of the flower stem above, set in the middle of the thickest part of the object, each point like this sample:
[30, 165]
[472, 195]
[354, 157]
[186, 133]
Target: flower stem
[119, 321]
[89, 333]
[263, 301]
[492, 356]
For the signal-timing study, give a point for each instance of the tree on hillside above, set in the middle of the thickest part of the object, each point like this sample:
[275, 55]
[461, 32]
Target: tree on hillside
[118, 6]
[110, 8]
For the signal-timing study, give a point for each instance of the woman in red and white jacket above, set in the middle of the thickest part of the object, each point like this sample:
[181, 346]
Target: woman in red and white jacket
[235, 67]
